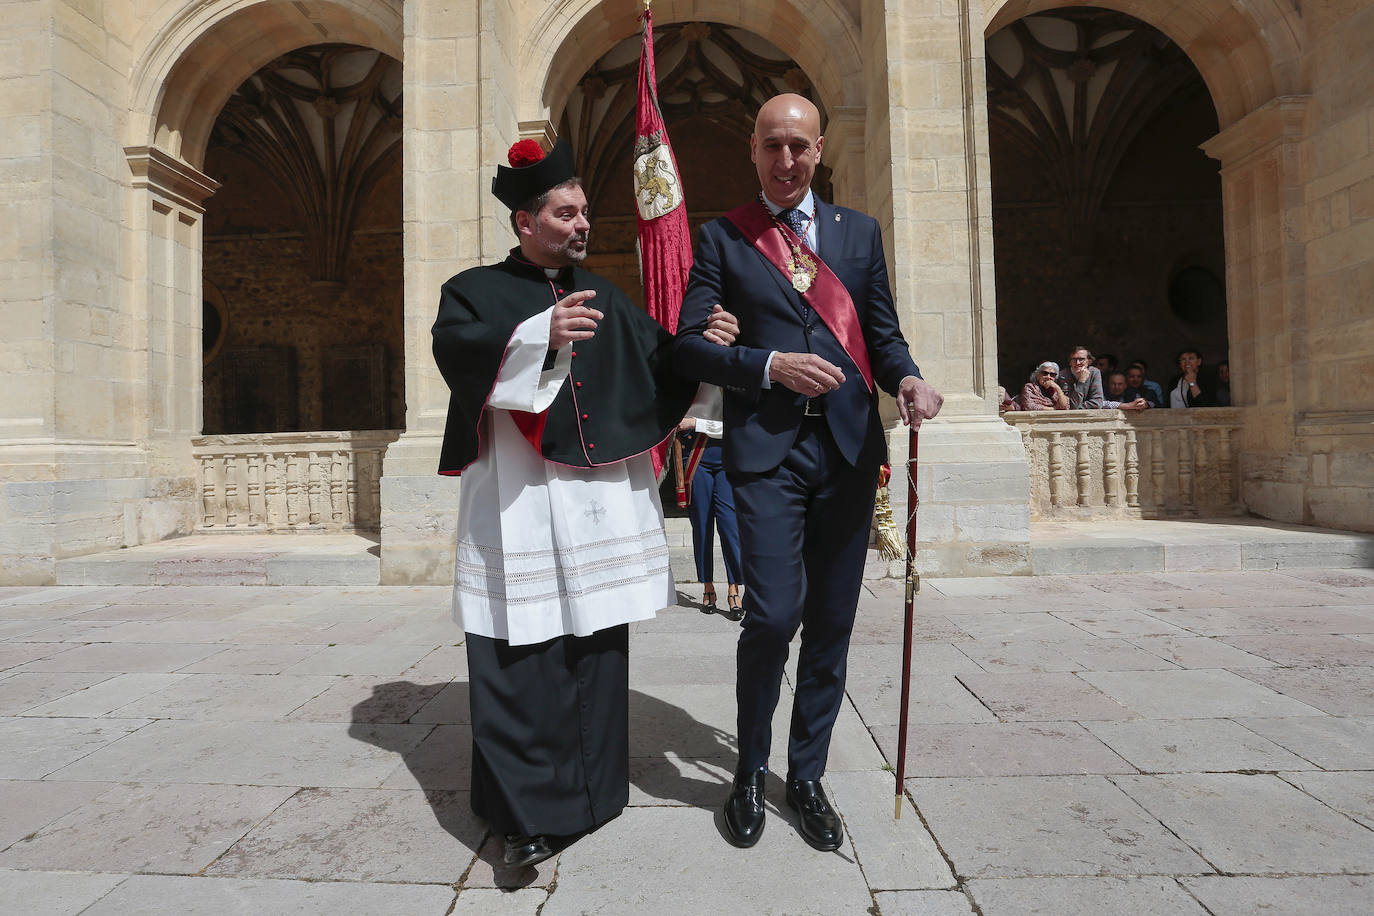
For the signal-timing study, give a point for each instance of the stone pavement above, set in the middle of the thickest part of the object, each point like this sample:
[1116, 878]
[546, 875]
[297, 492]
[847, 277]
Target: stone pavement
[1170, 743]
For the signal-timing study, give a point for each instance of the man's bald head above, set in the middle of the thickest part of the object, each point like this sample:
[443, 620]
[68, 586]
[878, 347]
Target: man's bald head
[786, 147]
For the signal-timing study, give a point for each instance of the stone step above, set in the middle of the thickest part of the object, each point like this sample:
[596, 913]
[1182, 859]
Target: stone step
[233, 559]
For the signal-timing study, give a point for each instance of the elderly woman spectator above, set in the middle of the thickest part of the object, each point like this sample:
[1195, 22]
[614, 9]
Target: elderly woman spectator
[1083, 383]
[1042, 392]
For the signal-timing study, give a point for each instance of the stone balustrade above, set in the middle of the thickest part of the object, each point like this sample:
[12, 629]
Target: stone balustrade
[1115, 464]
[291, 481]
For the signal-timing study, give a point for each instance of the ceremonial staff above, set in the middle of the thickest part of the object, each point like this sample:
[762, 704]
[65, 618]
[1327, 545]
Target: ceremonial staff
[913, 585]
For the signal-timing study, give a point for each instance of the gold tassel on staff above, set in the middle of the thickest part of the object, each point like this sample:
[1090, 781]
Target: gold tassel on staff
[890, 545]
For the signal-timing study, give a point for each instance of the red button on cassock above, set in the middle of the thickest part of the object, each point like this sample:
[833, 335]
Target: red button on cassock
[578, 384]
[591, 445]
[574, 353]
[586, 416]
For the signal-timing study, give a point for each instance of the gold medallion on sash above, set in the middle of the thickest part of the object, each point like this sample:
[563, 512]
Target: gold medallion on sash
[802, 268]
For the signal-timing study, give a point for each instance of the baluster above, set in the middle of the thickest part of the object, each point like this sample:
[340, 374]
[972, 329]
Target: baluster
[351, 460]
[1085, 469]
[1111, 468]
[1056, 469]
[1132, 471]
[293, 489]
[336, 488]
[1201, 469]
[231, 491]
[1224, 447]
[1185, 466]
[254, 475]
[1157, 467]
[207, 491]
[274, 473]
[374, 486]
[314, 487]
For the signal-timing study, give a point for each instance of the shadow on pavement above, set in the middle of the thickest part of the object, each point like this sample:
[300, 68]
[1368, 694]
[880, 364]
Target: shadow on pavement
[674, 757]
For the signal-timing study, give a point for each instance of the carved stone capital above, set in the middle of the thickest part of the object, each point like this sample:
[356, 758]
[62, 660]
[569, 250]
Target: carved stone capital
[1281, 120]
[169, 177]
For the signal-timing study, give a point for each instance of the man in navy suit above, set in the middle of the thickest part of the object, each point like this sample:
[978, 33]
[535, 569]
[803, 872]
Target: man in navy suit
[803, 441]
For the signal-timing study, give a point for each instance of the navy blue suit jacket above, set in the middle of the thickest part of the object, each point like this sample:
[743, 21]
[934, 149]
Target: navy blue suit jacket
[761, 423]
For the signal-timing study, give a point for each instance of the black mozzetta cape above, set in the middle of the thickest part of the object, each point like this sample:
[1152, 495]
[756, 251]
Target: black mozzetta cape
[621, 398]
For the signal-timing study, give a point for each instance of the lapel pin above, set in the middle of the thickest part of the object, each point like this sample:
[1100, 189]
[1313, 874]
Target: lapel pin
[837, 217]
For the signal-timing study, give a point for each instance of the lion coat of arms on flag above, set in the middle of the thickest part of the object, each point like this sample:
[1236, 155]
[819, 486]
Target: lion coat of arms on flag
[657, 189]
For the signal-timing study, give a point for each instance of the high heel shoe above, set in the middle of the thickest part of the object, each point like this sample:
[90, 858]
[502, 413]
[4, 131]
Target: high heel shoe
[736, 607]
[708, 599]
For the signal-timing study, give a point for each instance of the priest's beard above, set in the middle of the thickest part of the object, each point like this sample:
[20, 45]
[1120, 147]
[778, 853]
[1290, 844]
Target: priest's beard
[558, 252]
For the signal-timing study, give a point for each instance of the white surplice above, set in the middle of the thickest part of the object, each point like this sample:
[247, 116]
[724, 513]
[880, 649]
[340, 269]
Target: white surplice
[546, 550]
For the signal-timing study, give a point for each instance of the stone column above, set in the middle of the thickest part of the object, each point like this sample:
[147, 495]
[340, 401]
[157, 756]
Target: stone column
[77, 472]
[929, 184]
[459, 120]
[1262, 206]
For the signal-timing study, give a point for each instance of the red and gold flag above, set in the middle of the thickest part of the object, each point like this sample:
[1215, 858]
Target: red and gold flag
[665, 244]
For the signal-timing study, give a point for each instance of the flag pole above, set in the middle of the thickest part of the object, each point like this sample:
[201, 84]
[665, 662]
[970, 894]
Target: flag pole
[913, 585]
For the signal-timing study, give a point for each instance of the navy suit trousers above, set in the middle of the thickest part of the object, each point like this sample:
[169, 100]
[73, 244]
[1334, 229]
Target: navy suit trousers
[804, 529]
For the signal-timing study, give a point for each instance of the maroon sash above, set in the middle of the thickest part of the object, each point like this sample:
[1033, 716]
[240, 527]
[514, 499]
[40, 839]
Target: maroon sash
[827, 296]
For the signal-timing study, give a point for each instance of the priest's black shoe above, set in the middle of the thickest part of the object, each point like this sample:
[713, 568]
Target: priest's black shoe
[744, 808]
[820, 825]
[525, 850]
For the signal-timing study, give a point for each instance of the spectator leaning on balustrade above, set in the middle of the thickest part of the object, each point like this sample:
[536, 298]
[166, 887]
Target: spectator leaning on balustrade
[1191, 387]
[1042, 392]
[1083, 382]
[1117, 394]
[1141, 386]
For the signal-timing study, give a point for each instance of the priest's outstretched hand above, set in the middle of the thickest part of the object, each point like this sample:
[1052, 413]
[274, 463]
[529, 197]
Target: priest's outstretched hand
[722, 327]
[572, 319]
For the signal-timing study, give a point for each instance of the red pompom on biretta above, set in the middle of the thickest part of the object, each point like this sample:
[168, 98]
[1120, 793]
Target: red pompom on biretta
[524, 152]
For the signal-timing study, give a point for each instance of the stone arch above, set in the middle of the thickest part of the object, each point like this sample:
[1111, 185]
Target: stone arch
[194, 58]
[824, 41]
[1247, 52]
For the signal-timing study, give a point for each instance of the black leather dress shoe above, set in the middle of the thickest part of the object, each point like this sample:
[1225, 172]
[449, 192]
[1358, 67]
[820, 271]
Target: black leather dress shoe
[744, 809]
[522, 851]
[820, 825]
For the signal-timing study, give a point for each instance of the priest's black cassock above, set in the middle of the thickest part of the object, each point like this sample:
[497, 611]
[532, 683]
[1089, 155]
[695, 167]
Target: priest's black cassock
[560, 541]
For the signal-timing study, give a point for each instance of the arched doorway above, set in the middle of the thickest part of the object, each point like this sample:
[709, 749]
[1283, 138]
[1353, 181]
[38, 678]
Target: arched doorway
[189, 68]
[1107, 215]
[303, 243]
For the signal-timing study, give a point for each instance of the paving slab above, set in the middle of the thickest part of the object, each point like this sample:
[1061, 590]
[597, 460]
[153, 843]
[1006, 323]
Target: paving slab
[1318, 651]
[895, 853]
[1119, 623]
[156, 895]
[1352, 794]
[32, 804]
[158, 829]
[37, 747]
[1201, 694]
[1335, 895]
[699, 872]
[252, 753]
[1332, 743]
[1084, 654]
[1193, 746]
[442, 761]
[229, 697]
[1082, 897]
[368, 698]
[360, 835]
[478, 901]
[14, 654]
[1030, 826]
[937, 698]
[1338, 691]
[265, 659]
[1003, 749]
[51, 893]
[109, 693]
[1044, 697]
[1253, 824]
[1199, 652]
[923, 903]
[23, 691]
